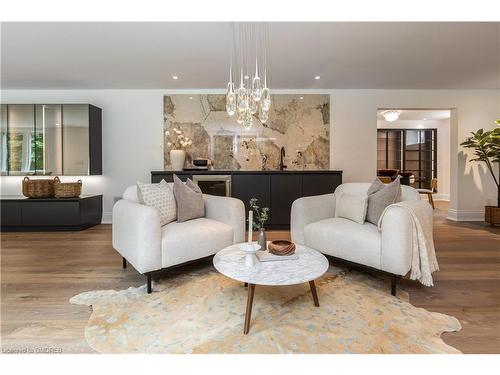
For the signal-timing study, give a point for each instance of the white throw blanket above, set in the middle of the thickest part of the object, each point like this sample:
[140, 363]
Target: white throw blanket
[423, 262]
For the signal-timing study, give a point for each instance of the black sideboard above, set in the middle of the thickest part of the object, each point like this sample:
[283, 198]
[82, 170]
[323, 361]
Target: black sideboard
[274, 189]
[19, 213]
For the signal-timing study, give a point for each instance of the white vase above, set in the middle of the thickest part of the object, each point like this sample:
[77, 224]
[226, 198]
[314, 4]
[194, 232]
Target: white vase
[177, 158]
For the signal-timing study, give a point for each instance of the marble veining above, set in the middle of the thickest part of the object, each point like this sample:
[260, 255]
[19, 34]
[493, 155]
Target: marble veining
[310, 265]
[300, 123]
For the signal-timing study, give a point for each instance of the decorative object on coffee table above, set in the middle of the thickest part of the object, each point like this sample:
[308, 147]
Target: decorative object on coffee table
[38, 188]
[67, 189]
[177, 141]
[250, 249]
[486, 145]
[261, 217]
[309, 266]
[281, 247]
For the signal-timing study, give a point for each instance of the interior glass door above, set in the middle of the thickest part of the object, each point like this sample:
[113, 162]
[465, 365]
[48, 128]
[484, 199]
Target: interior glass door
[75, 139]
[3, 140]
[20, 139]
[48, 139]
[409, 150]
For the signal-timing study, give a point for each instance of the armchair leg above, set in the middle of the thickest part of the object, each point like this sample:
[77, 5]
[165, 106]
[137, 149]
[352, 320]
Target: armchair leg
[148, 281]
[124, 262]
[394, 280]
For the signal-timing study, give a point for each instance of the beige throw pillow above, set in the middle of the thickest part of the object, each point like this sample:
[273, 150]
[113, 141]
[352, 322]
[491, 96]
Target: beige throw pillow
[352, 207]
[158, 196]
[379, 197]
[189, 198]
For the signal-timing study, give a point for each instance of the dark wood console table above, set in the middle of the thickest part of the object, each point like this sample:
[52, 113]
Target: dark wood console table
[19, 213]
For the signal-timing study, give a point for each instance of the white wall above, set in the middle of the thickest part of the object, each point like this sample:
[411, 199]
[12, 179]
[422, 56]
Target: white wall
[132, 136]
[443, 148]
[353, 137]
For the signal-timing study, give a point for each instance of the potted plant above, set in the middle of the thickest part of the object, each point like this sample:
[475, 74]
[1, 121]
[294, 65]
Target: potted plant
[177, 141]
[486, 146]
[261, 215]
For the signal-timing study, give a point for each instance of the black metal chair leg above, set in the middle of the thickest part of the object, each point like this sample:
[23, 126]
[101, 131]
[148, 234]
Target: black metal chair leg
[394, 280]
[148, 279]
[124, 263]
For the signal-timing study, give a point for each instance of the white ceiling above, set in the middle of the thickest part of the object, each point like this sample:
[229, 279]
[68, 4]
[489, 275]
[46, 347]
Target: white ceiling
[345, 55]
[419, 114]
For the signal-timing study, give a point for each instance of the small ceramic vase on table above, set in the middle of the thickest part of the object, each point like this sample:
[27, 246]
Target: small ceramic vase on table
[262, 239]
[177, 159]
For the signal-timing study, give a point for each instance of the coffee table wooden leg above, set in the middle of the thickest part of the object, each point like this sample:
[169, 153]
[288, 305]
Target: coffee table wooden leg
[248, 315]
[313, 291]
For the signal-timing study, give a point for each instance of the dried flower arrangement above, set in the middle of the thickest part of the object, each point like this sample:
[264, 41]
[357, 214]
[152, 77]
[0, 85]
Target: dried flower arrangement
[177, 140]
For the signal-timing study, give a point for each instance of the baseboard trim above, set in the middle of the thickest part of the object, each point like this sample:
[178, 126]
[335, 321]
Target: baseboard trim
[107, 218]
[465, 215]
[441, 197]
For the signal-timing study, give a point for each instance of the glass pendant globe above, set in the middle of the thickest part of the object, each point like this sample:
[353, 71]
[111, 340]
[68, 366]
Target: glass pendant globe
[231, 104]
[242, 99]
[240, 117]
[248, 121]
[263, 115]
[253, 104]
[256, 89]
[265, 99]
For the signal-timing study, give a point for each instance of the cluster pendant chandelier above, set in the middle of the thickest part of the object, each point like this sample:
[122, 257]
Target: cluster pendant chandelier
[249, 59]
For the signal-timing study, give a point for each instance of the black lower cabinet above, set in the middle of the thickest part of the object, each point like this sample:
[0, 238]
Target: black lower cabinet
[317, 184]
[50, 214]
[247, 186]
[284, 190]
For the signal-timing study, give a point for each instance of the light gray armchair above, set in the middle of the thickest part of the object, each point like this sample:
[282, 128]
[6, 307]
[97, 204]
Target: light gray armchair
[140, 240]
[313, 223]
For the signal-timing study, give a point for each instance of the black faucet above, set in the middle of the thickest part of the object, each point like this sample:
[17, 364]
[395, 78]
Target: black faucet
[282, 155]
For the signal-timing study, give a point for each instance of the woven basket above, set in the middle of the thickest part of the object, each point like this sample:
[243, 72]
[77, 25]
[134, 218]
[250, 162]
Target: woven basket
[67, 189]
[38, 188]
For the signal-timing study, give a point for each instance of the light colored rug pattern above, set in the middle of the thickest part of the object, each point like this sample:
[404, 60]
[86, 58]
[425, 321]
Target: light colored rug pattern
[203, 312]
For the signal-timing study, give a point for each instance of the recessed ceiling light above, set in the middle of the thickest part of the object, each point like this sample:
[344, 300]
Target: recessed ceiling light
[391, 115]
[191, 97]
[425, 119]
[301, 97]
[317, 77]
[175, 77]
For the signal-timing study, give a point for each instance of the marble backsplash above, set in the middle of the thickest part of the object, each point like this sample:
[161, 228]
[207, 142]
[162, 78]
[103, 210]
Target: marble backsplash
[300, 123]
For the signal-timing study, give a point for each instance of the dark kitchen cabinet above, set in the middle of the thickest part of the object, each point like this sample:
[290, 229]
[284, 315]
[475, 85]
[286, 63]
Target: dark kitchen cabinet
[247, 186]
[284, 190]
[317, 184]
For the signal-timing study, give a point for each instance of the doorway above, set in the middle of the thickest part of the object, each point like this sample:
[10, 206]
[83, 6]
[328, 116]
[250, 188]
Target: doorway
[416, 144]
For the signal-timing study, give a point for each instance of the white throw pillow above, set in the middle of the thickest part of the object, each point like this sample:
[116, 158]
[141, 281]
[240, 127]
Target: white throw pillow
[161, 197]
[352, 207]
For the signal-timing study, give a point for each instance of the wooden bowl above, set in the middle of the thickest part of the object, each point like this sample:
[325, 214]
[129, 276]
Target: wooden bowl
[281, 247]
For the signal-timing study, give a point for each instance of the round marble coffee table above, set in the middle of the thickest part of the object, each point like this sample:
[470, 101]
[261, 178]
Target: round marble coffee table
[310, 265]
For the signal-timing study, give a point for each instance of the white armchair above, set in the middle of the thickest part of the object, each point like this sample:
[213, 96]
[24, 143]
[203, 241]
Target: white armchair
[313, 223]
[140, 240]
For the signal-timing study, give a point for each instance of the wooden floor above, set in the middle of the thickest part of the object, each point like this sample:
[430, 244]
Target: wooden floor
[41, 271]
